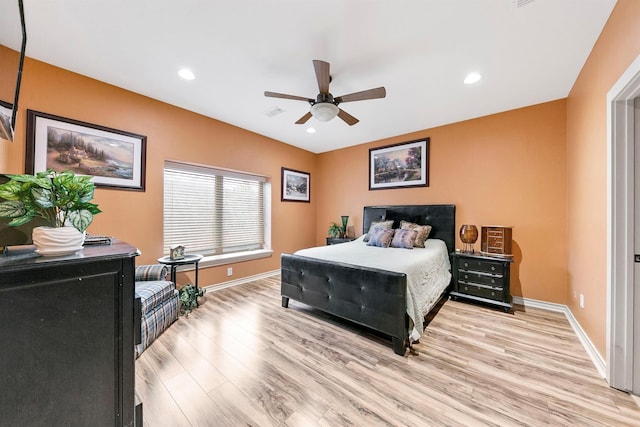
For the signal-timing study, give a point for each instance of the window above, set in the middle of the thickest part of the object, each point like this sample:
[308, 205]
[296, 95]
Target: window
[214, 212]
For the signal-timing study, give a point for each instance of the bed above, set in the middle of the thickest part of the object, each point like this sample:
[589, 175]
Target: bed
[379, 296]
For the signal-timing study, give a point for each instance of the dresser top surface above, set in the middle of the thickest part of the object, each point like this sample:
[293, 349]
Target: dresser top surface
[27, 257]
[482, 256]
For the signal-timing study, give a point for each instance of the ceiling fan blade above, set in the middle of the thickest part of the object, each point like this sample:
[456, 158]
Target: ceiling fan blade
[378, 92]
[302, 120]
[285, 96]
[322, 75]
[348, 118]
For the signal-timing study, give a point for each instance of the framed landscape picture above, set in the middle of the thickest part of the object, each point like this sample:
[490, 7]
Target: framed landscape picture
[114, 158]
[296, 186]
[6, 110]
[399, 165]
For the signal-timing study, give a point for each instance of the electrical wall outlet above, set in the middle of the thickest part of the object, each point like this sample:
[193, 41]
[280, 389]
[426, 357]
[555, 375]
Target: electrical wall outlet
[581, 301]
[229, 271]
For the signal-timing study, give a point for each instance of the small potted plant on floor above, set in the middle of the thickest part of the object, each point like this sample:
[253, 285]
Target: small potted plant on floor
[62, 199]
[188, 295]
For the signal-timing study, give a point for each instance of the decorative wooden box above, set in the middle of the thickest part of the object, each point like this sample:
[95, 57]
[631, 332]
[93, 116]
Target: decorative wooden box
[496, 240]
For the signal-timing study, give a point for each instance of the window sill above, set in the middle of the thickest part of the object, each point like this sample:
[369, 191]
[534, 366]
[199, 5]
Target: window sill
[215, 260]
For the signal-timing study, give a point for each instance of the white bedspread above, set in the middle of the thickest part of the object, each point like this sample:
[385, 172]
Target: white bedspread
[427, 270]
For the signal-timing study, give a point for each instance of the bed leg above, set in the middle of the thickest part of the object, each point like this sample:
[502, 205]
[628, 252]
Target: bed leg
[285, 302]
[399, 346]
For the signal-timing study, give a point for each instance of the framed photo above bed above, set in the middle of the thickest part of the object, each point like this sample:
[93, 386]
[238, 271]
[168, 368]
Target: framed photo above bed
[399, 165]
[114, 158]
[296, 186]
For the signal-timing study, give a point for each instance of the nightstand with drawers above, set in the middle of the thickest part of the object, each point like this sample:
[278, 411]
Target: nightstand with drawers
[337, 240]
[482, 278]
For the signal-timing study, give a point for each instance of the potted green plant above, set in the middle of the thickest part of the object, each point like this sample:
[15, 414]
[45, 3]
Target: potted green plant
[335, 230]
[188, 295]
[62, 199]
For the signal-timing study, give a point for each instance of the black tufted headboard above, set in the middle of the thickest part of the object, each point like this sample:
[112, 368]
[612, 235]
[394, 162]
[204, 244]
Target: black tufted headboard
[442, 219]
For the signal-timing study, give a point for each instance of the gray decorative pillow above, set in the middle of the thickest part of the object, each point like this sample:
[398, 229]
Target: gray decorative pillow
[423, 232]
[404, 239]
[377, 225]
[381, 238]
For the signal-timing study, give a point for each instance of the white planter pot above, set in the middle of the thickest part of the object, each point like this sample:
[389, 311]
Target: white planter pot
[54, 241]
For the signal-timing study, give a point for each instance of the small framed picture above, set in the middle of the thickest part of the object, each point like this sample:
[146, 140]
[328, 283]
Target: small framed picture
[6, 110]
[176, 252]
[296, 186]
[399, 165]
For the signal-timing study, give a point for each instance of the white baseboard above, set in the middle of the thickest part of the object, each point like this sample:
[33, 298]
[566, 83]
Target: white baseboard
[241, 281]
[591, 350]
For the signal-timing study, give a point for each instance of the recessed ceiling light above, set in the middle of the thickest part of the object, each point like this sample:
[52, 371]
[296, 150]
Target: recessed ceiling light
[472, 78]
[186, 74]
[311, 130]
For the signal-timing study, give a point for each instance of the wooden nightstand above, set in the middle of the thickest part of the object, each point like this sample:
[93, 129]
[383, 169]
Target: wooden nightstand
[482, 278]
[336, 240]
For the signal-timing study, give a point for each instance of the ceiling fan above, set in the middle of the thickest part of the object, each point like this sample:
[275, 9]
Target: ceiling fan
[325, 106]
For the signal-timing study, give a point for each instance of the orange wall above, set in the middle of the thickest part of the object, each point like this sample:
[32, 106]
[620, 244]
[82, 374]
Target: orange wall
[541, 169]
[172, 133]
[617, 47]
[507, 168]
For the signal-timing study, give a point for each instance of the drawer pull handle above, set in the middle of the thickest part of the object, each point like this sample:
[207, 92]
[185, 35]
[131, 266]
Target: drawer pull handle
[466, 264]
[466, 276]
[493, 281]
[493, 268]
[466, 288]
[493, 294]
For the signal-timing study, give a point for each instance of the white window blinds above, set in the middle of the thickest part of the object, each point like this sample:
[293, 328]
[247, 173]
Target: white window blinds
[212, 211]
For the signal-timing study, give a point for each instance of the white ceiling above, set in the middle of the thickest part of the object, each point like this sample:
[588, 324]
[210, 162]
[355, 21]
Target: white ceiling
[419, 50]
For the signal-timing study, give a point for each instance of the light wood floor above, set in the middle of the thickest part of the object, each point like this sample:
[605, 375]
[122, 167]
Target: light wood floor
[241, 359]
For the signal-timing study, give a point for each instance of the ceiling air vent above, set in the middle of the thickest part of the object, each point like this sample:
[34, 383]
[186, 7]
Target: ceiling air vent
[520, 3]
[273, 111]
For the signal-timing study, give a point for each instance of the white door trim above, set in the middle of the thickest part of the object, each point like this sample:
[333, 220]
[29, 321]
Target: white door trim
[620, 211]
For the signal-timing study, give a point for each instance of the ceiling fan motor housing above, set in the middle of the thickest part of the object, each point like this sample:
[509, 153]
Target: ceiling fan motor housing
[325, 97]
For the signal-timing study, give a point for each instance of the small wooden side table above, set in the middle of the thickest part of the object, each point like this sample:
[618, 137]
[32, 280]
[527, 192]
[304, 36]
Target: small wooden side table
[174, 263]
[338, 240]
[482, 278]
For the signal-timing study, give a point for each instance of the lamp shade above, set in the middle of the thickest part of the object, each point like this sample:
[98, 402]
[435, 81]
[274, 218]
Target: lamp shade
[324, 111]
[468, 236]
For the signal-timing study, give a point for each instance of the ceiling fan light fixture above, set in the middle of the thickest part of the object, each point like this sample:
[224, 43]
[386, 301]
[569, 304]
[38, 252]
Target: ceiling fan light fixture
[324, 111]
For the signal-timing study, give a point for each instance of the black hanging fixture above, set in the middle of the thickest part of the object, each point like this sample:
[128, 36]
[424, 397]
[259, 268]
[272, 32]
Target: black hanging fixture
[11, 131]
[325, 106]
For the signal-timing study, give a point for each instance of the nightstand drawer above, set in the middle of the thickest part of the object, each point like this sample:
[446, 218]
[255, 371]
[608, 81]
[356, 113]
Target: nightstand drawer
[480, 291]
[469, 264]
[480, 278]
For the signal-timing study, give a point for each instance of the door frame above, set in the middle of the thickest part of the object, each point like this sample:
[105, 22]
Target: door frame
[620, 223]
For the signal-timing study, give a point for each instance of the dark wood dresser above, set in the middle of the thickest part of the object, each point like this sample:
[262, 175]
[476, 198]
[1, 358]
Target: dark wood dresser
[67, 338]
[482, 278]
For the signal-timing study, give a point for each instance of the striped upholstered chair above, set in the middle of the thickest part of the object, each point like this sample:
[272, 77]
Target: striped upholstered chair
[157, 303]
